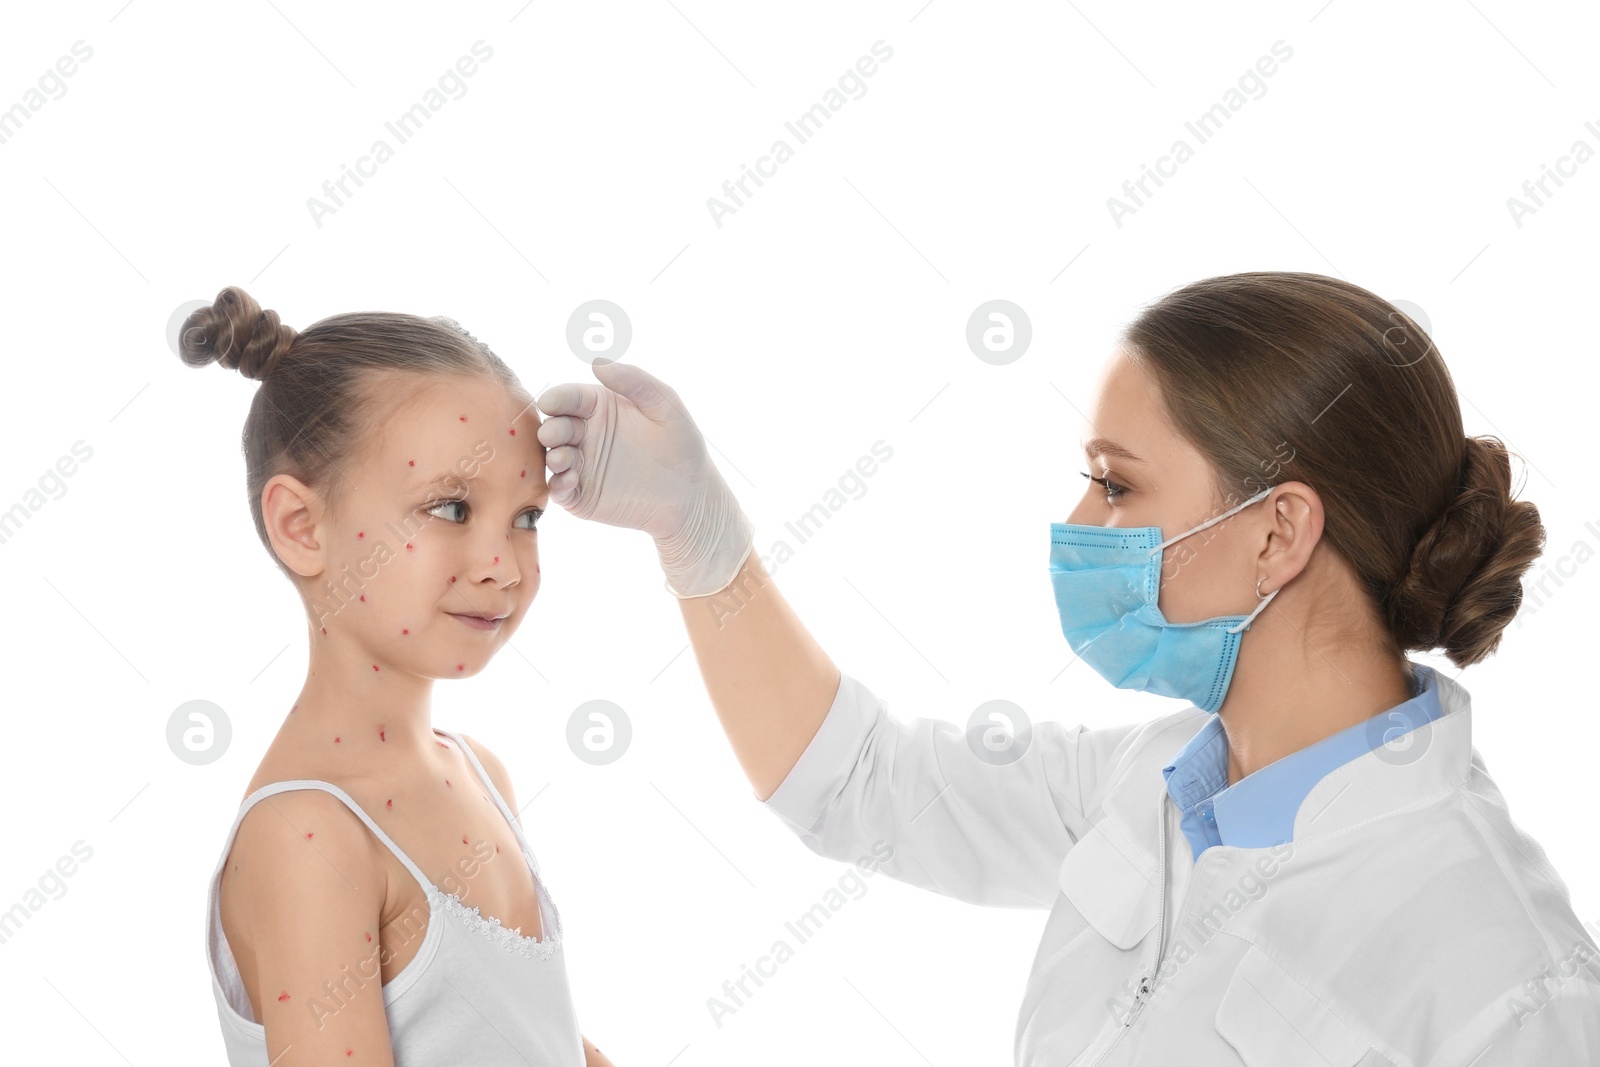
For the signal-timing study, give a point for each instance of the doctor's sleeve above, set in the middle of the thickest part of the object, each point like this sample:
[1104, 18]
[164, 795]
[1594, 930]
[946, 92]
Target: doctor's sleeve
[870, 785]
[1563, 1029]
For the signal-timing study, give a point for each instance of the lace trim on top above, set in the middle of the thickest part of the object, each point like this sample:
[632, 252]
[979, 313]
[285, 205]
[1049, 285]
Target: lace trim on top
[496, 932]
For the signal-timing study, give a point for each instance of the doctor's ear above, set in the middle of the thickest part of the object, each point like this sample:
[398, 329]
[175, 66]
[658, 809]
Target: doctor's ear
[1293, 529]
[292, 513]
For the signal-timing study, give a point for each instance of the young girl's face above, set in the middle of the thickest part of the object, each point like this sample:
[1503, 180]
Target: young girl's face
[437, 527]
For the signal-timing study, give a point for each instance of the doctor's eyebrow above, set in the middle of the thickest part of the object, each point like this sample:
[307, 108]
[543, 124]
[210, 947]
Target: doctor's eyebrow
[1099, 446]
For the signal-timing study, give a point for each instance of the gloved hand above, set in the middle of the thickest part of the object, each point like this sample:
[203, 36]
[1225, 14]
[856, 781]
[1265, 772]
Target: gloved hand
[626, 453]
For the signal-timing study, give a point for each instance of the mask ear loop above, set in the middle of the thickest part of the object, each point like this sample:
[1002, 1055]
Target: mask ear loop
[1212, 521]
[1248, 619]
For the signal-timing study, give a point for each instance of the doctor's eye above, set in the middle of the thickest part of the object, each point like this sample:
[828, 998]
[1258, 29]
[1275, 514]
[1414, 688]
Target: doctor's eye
[1113, 490]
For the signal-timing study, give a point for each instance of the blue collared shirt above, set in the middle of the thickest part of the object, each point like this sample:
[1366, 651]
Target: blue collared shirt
[1259, 810]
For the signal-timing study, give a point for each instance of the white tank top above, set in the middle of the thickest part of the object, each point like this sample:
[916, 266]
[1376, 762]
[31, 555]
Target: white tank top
[475, 992]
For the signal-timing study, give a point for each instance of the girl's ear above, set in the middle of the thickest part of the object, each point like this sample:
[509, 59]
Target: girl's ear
[292, 512]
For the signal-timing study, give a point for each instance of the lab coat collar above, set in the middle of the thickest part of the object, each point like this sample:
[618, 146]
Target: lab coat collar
[1112, 873]
[1433, 759]
[1260, 809]
[1423, 762]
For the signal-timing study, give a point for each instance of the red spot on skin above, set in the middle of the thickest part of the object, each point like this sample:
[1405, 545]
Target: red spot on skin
[408, 546]
[389, 804]
[294, 709]
[404, 632]
[324, 631]
[413, 463]
[536, 568]
[374, 666]
[441, 744]
[452, 577]
[311, 835]
[463, 839]
[348, 1052]
[369, 939]
[363, 598]
[497, 848]
[524, 474]
[461, 666]
[497, 559]
[283, 996]
[513, 431]
[336, 740]
[447, 782]
[463, 418]
[380, 733]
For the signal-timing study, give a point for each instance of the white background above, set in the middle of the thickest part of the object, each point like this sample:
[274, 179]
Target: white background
[826, 314]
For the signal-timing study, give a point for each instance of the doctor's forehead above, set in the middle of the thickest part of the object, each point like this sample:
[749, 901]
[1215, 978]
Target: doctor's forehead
[1127, 419]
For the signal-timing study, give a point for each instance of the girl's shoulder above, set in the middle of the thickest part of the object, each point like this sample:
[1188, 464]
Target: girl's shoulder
[290, 759]
[493, 767]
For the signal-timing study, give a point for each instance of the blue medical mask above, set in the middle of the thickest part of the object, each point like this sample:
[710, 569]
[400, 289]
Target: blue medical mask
[1108, 586]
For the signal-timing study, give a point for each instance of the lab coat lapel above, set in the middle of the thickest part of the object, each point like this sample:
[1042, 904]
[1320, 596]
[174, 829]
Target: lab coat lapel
[1111, 874]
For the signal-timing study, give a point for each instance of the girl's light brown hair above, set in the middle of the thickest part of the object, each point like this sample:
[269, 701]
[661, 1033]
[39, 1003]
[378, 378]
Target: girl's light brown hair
[325, 390]
[1280, 376]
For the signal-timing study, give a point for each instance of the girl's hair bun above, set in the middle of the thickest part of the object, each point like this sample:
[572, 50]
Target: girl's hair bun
[235, 332]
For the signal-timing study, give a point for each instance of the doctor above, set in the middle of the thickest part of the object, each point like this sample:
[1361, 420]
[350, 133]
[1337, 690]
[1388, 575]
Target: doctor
[1306, 864]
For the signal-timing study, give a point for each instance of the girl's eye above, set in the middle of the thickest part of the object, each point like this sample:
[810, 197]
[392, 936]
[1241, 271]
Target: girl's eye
[532, 514]
[1113, 490]
[436, 505]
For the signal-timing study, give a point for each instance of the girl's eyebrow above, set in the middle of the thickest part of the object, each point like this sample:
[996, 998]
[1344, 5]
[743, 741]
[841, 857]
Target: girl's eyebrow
[1101, 447]
[445, 483]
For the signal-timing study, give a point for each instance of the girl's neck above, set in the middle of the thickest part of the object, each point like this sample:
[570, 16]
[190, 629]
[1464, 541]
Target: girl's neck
[394, 712]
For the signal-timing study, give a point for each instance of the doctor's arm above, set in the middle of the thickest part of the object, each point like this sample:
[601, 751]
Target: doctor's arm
[824, 754]
[820, 750]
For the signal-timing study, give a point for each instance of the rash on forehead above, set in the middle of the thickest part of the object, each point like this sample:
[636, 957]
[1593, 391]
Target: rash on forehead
[445, 432]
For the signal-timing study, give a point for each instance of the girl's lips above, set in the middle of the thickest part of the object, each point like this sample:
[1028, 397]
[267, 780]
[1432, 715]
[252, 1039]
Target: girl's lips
[475, 622]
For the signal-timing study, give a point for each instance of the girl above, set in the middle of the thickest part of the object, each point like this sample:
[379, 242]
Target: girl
[377, 902]
[1308, 863]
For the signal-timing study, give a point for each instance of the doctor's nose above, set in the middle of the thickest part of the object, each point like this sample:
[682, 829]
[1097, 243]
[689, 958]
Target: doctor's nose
[1089, 511]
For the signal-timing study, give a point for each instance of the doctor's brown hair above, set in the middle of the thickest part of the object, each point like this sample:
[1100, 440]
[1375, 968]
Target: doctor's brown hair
[325, 390]
[1282, 376]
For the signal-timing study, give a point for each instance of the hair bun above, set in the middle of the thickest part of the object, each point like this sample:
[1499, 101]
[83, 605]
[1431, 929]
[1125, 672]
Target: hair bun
[1464, 584]
[235, 332]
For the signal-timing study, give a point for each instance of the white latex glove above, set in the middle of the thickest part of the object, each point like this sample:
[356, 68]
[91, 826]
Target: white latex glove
[626, 453]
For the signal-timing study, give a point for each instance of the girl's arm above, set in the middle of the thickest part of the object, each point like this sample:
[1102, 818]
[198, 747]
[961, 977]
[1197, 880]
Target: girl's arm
[302, 896]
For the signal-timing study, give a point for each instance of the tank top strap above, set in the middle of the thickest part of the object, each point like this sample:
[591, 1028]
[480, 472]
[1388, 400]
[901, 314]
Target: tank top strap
[273, 788]
[500, 801]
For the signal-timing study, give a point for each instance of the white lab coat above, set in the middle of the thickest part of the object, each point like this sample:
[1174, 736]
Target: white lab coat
[1409, 923]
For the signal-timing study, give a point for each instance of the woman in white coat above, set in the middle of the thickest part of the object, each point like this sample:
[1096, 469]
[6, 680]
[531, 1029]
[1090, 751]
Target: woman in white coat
[1308, 864]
